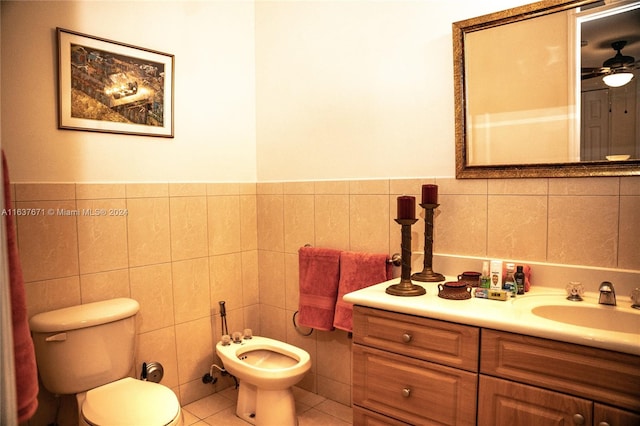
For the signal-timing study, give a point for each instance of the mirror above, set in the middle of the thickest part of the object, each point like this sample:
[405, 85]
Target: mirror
[529, 95]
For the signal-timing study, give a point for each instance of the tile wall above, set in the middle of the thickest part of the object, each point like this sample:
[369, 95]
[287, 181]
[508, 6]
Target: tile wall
[178, 249]
[183, 247]
[585, 221]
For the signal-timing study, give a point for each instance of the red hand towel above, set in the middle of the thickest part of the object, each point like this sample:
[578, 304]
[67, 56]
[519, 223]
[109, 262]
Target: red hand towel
[319, 270]
[25, 359]
[358, 270]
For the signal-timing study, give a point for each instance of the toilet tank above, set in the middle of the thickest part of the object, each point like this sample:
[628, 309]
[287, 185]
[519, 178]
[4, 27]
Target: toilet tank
[82, 347]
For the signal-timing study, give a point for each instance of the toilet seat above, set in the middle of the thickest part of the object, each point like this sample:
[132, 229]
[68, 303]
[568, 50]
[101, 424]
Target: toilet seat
[131, 402]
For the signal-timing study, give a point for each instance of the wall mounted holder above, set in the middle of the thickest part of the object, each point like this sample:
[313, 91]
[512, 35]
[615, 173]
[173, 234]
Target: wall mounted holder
[406, 287]
[427, 274]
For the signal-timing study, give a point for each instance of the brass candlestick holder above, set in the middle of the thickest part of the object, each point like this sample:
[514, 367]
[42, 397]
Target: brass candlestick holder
[427, 274]
[406, 287]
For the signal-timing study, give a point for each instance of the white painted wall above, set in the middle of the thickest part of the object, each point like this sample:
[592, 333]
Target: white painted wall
[264, 90]
[213, 44]
[357, 89]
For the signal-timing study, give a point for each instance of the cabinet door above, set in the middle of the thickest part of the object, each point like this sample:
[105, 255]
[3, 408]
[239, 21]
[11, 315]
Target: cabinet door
[603, 415]
[411, 390]
[505, 403]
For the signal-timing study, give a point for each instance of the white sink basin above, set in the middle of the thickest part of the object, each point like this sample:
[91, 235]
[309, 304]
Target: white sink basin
[600, 317]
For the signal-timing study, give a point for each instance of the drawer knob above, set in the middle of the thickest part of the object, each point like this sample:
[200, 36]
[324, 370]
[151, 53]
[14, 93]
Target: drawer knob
[578, 419]
[603, 424]
[406, 337]
[406, 392]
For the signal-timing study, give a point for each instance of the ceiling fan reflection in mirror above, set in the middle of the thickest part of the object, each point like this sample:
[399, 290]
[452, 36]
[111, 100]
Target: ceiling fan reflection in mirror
[615, 71]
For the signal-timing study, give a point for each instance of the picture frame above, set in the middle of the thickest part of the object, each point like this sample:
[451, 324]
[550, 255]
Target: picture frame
[113, 87]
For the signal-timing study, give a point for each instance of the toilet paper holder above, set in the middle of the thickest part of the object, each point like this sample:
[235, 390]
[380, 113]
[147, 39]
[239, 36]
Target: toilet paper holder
[152, 372]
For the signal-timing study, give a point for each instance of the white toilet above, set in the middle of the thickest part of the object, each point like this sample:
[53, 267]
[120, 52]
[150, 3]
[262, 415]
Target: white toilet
[266, 369]
[88, 350]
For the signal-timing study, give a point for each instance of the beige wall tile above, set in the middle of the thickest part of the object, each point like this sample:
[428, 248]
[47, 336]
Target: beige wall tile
[273, 322]
[48, 295]
[226, 282]
[223, 189]
[48, 243]
[630, 185]
[291, 281]
[461, 225]
[147, 190]
[334, 356]
[270, 222]
[105, 285]
[585, 186]
[159, 346]
[629, 248]
[270, 188]
[188, 227]
[250, 284]
[102, 235]
[99, 191]
[298, 222]
[583, 230]
[517, 227]
[187, 189]
[45, 191]
[194, 349]
[248, 223]
[190, 279]
[334, 390]
[271, 278]
[452, 186]
[409, 187]
[148, 231]
[247, 188]
[151, 286]
[369, 223]
[224, 224]
[375, 186]
[518, 186]
[332, 187]
[299, 188]
[331, 221]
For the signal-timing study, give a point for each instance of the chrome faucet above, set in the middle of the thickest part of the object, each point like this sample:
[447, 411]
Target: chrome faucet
[607, 294]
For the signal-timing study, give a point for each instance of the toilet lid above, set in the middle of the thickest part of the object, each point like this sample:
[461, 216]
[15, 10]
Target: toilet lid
[130, 402]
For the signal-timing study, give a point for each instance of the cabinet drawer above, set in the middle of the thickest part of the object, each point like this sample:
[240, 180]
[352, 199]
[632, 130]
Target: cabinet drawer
[433, 340]
[597, 374]
[504, 403]
[364, 417]
[412, 390]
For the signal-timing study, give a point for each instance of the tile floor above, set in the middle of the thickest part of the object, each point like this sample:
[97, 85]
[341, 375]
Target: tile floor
[219, 409]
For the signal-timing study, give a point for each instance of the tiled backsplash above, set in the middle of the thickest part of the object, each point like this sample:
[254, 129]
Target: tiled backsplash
[180, 248]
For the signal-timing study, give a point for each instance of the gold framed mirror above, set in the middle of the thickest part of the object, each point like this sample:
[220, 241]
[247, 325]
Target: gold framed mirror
[519, 91]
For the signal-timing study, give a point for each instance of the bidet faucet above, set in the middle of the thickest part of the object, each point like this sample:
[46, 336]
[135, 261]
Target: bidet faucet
[607, 294]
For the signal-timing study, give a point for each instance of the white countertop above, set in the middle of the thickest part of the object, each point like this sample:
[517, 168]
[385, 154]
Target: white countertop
[513, 315]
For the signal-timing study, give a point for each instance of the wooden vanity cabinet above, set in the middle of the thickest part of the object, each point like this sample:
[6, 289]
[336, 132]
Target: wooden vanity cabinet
[545, 382]
[413, 370]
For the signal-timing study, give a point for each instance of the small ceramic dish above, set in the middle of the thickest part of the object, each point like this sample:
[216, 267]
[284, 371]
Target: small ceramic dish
[454, 290]
[621, 157]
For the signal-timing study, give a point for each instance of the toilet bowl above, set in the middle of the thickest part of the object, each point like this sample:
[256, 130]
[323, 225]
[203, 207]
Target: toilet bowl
[266, 370]
[129, 401]
[88, 350]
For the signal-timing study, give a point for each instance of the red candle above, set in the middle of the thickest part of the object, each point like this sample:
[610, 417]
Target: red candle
[406, 207]
[429, 194]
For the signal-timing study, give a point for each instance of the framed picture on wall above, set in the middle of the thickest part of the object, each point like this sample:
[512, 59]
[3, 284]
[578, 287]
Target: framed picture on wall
[107, 86]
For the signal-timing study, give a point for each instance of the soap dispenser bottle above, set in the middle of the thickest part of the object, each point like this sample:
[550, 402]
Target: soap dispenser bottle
[510, 281]
[519, 279]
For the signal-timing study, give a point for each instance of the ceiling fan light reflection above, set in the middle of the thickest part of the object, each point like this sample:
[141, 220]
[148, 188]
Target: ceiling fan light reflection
[617, 79]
